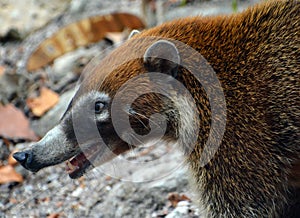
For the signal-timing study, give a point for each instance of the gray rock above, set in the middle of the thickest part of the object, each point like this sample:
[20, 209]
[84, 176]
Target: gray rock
[77, 6]
[65, 63]
[77, 192]
[181, 211]
[128, 199]
[27, 16]
[209, 8]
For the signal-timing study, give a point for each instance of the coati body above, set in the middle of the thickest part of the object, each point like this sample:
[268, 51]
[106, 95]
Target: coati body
[255, 54]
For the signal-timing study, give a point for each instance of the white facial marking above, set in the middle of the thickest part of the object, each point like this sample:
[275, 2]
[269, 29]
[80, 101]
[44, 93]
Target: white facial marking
[188, 120]
[92, 96]
[103, 116]
[89, 100]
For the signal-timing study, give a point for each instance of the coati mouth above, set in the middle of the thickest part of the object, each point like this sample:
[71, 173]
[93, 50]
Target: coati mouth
[94, 155]
[78, 164]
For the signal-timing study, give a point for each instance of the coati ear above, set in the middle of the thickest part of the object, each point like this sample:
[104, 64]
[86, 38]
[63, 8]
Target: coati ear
[133, 32]
[162, 56]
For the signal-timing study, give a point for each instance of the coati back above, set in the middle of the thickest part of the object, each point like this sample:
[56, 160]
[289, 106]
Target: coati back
[255, 54]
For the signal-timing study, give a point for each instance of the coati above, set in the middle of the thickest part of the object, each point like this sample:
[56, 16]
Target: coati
[255, 55]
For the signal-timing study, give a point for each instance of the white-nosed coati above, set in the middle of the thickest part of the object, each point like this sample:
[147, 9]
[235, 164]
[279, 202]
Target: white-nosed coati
[255, 54]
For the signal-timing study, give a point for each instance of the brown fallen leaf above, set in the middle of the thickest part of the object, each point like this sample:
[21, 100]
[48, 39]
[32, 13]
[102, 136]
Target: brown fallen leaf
[174, 198]
[44, 102]
[14, 124]
[6, 141]
[8, 174]
[59, 204]
[13, 201]
[46, 199]
[2, 70]
[116, 38]
[12, 161]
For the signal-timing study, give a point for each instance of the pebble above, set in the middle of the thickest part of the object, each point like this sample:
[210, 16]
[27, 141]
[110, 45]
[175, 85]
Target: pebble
[65, 64]
[77, 192]
[182, 210]
[28, 188]
[27, 16]
[77, 6]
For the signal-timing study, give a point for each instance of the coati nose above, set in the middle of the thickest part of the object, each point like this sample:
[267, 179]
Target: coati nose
[24, 157]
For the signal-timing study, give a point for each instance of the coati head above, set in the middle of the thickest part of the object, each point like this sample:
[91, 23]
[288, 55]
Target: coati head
[136, 95]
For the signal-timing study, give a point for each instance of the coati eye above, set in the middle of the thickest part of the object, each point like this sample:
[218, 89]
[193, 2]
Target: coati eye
[99, 106]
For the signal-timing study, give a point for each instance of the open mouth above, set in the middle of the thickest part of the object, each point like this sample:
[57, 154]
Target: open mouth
[78, 164]
[90, 157]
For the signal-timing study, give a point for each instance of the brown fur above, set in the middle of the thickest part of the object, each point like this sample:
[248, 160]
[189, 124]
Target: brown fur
[256, 57]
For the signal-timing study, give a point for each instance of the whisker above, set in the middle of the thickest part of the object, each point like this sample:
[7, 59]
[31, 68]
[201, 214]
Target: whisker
[138, 118]
[147, 118]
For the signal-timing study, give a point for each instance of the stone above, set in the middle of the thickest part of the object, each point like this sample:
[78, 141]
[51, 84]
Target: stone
[26, 16]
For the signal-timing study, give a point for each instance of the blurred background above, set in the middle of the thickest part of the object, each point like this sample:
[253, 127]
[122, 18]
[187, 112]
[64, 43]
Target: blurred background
[42, 55]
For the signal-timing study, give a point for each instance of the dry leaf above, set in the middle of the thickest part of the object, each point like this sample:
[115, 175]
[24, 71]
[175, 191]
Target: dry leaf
[13, 201]
[43, 103]
[12, 161]
[59, 204]
[174, 198]
[108, 178]
[6, 141]
[8, 174]
[116, 38]
[14, 124]
[185, 198]
[2, 70]
[46, 199]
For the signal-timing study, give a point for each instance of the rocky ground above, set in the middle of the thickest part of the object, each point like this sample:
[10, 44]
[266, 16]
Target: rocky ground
[153, 183]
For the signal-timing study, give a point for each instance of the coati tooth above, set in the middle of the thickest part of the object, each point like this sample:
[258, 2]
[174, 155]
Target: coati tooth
[71, 167]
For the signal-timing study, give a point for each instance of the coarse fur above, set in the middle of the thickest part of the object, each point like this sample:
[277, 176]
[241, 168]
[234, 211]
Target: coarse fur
[255, 54]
